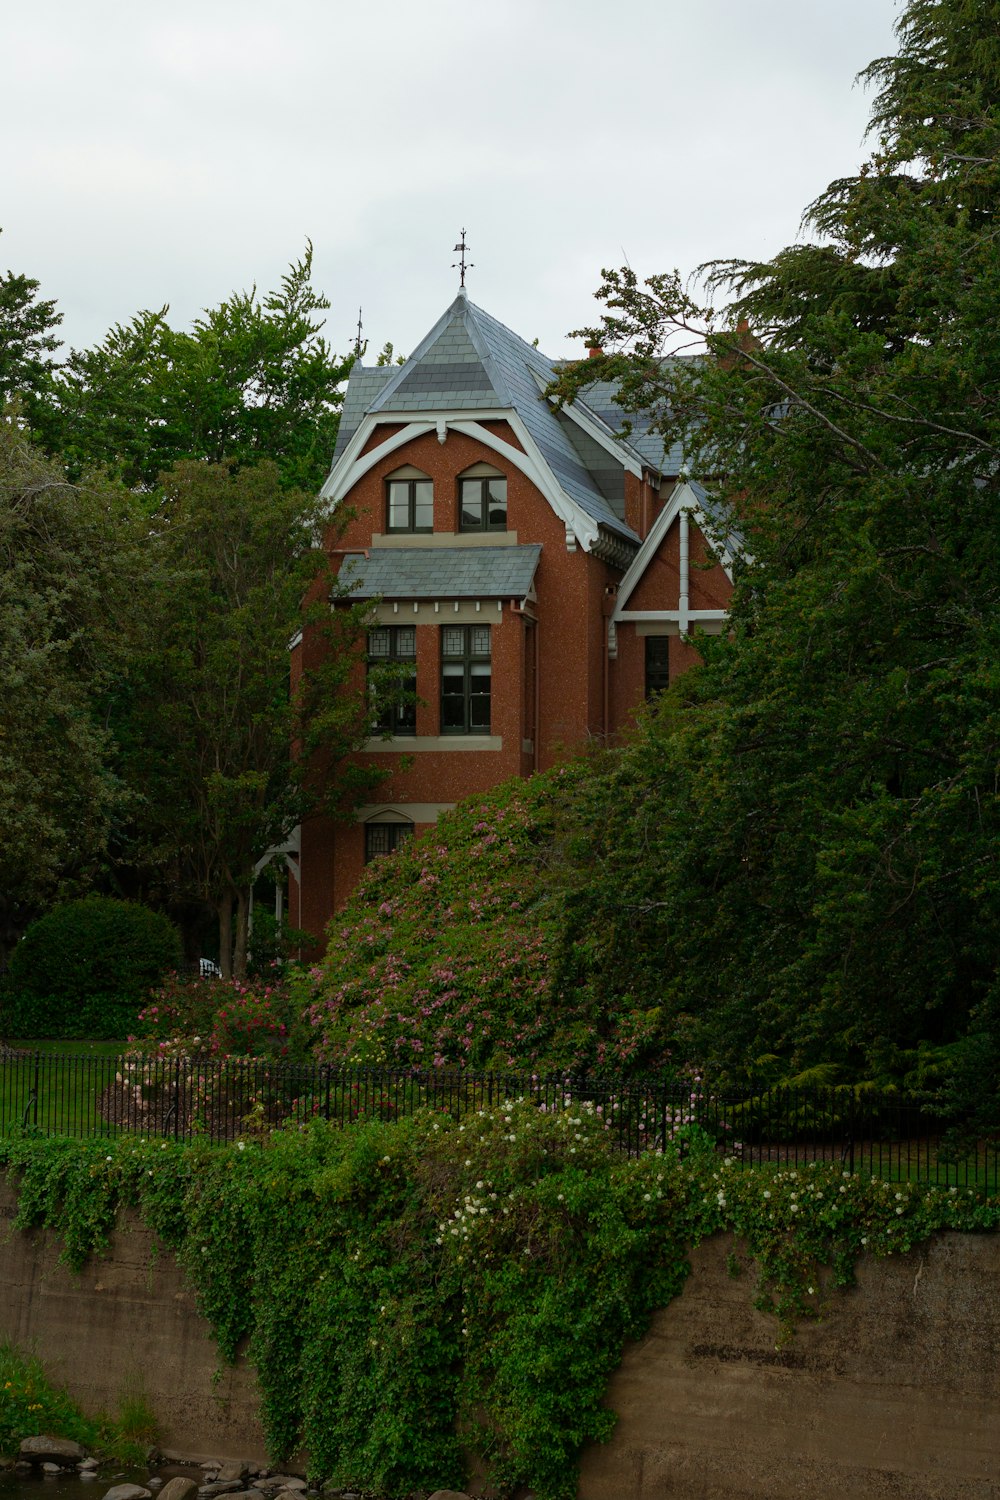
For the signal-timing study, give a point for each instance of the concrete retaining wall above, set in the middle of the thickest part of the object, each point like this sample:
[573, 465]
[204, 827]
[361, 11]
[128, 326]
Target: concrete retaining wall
[895, 1393]
[126, 1321]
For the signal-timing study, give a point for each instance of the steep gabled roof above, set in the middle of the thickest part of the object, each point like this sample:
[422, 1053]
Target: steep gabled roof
[471, 363]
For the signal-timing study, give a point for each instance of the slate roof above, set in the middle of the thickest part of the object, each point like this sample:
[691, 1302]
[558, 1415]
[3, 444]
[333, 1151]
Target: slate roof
[471, 362]
[441, 572]
[362, 388]
[600, 398]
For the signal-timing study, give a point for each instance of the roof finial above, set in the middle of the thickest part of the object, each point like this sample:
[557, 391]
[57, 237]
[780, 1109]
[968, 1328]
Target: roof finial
[358, 350]
[461, 264]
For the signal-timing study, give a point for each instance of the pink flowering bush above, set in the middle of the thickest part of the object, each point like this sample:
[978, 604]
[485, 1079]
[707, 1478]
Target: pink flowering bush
[447, 953]
[227, 1018]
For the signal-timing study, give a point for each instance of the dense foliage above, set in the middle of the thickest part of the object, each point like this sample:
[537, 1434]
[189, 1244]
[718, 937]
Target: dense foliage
[68, 562]
[253, 379]
[85, 969]
[206, 726]
[411, 1289]
[226, 1018]
[798, 859]
[448, 950]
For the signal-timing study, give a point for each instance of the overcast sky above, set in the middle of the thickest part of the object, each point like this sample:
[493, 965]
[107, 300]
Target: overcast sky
[170, 151]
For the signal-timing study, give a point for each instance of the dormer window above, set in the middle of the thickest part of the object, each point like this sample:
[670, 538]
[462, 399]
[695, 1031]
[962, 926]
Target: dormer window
[409, 501]
[482, 497]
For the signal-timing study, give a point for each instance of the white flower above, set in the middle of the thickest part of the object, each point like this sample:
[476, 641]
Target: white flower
[899, 1210]
[645, 1197]
[241, 1145]
[767, 1192]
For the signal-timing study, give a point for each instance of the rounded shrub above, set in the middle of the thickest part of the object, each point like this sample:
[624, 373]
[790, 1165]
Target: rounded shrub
[85, 969]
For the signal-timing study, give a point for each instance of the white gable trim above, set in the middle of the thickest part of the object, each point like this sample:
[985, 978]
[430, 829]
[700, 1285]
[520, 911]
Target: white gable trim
[353, 464]
[531, 463]
[595, 428]
[682, 503]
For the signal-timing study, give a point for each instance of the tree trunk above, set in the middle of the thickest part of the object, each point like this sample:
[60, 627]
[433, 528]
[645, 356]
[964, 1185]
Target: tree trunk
[226, 936]
[242, 930]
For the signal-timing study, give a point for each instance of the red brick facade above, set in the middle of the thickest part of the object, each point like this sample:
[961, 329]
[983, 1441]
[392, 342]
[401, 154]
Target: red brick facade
[562, 668]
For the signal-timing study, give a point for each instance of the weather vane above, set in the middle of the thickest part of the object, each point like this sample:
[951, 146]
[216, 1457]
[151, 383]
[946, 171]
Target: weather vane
[461, 248]
[357, 341]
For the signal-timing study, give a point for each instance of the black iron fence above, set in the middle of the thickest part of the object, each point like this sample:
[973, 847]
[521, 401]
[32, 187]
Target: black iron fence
[885, 1134]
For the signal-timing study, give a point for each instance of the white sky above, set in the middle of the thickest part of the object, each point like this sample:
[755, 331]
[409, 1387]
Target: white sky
[171, 151]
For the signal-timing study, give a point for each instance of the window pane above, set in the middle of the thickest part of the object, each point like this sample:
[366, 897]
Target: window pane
[423, 505]
[453, 642]
[479, 697]
[497, 503]
[378, 643]
[399, 505]
[406, 642]
[480, 640]
[472, 505]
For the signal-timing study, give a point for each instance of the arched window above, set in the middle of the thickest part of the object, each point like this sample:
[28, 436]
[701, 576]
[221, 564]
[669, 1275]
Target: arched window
[409, 500]
[385, 832]
[482, 499]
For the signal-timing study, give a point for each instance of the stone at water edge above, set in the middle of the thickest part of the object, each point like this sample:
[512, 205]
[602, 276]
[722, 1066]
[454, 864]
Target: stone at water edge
[219, 1487]
[128, 1492]
[43, 1449]
[449, 1495]
[52, 1468]
[231, 1471]
[178, 1488]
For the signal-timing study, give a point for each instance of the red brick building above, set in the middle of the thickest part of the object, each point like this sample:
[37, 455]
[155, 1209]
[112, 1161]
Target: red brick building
[536, 577]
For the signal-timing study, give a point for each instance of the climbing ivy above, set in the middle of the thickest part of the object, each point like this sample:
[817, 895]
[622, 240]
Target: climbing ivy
[413, 1289]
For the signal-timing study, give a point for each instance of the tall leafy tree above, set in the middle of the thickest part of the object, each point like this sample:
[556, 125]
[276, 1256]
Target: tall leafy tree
[797, 863]
[253, 379]
[209, 723]
[70, 570]
[27, 339]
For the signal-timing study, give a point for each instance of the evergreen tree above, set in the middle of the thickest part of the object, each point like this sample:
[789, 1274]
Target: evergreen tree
[797, 862]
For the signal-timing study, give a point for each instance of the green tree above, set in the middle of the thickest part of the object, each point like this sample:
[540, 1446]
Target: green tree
[798, 860]
[208, 726]
[27, 339]
[70, 571]
[253, 379]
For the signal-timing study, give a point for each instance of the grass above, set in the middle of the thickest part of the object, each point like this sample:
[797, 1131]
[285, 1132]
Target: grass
[31, 1403]
[54, 1086]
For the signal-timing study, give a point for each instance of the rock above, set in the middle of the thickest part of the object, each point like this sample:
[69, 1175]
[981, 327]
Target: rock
[128, 1492]
[154, 1484]
[52, 1468]
[285, 1482]
[233, 1471]
[449, 1495]
[220, 1487]
[51, 1450]
[178, 1489]
[87, 1463]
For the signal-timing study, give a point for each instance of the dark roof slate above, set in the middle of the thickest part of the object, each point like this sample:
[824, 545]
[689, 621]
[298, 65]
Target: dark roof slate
[441, 572]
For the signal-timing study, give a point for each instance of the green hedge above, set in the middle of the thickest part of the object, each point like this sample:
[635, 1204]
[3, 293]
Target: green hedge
[85, 969]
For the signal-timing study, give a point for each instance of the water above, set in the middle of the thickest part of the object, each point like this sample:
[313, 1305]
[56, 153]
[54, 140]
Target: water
[69, 1486]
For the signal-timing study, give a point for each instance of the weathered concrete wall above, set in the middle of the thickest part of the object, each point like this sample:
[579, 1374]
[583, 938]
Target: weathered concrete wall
[124, 1320]
[895, 1393]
